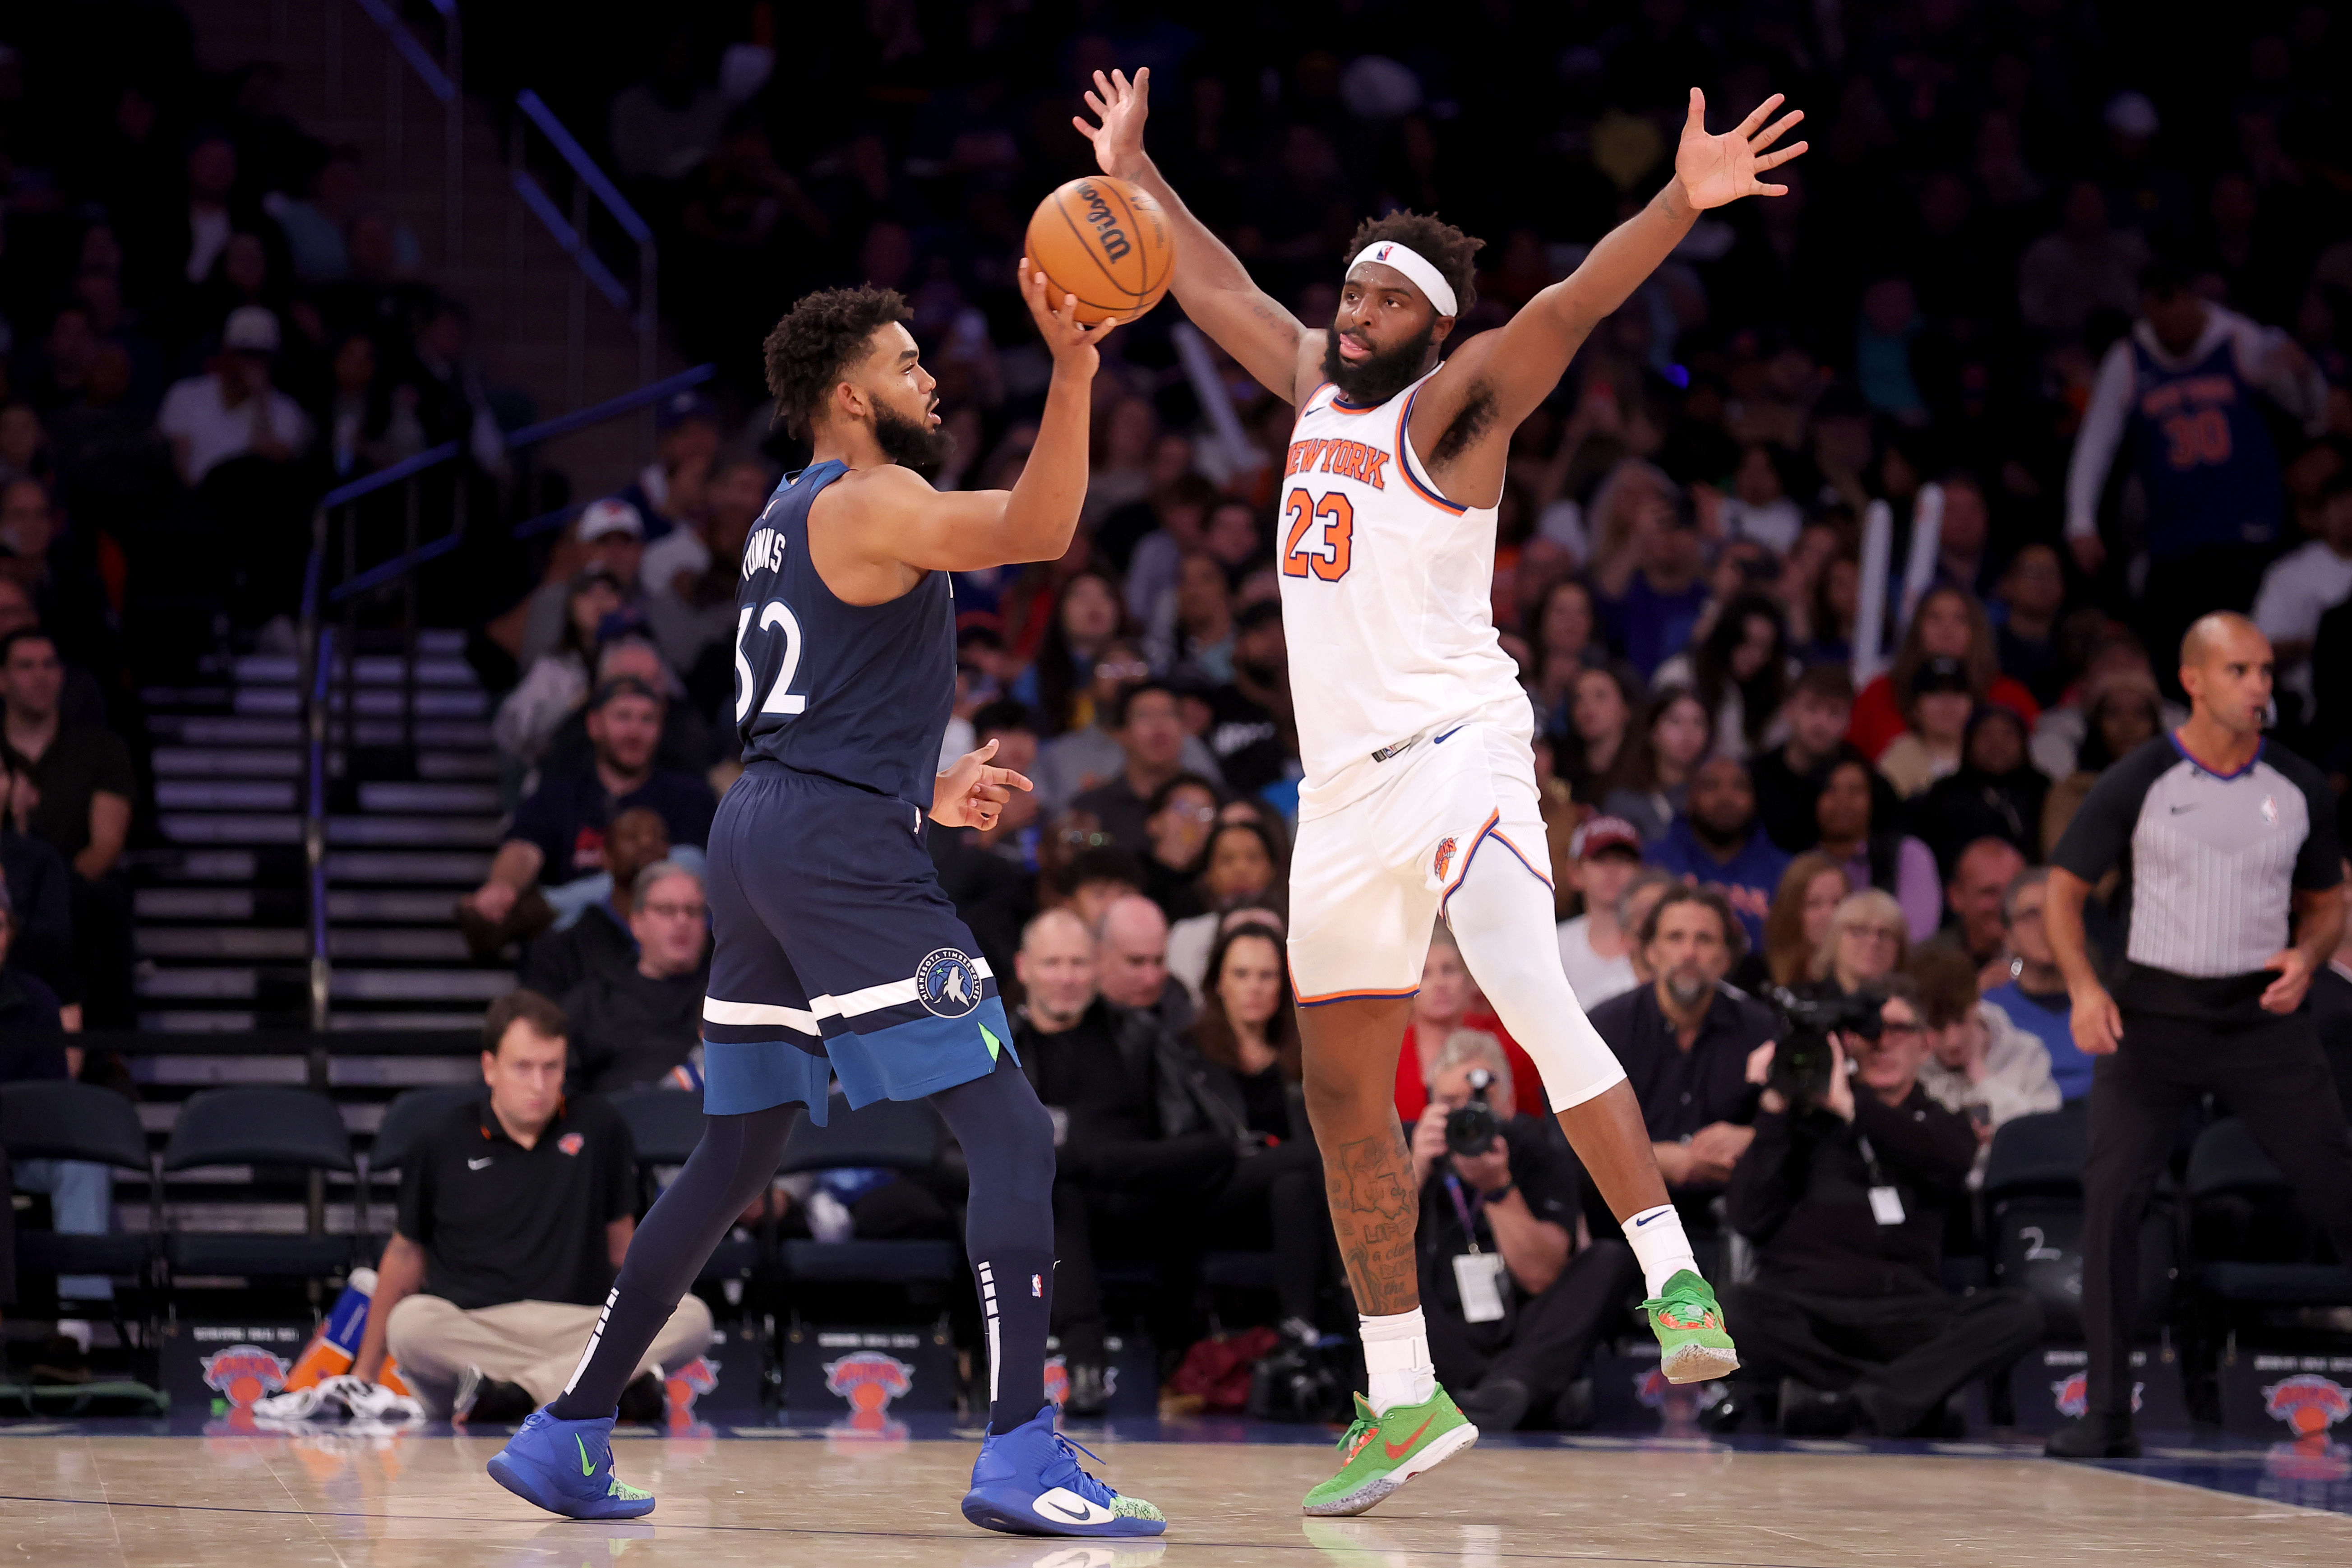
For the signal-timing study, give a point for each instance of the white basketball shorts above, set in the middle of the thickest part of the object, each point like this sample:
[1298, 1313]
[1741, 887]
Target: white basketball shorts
[1368, 880]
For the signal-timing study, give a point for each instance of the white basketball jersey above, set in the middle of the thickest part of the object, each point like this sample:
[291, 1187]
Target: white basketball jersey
[1387, 591]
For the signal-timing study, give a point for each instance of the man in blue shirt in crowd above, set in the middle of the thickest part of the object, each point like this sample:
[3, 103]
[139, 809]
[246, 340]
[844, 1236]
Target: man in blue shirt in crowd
[2035, 997]
[1719, 844]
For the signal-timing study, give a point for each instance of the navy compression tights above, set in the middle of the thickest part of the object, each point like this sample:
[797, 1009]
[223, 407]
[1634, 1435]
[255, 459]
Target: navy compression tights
[1008, 1144]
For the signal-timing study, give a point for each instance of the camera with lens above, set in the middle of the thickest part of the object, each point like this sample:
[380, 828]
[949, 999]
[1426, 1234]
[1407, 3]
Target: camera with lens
[1471, 1130]
[1803, 1060]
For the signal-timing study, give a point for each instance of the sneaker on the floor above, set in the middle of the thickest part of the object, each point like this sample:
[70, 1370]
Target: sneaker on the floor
[1692, 1342]
[1028, 1481]
[1381, 1452]
[566, 1467]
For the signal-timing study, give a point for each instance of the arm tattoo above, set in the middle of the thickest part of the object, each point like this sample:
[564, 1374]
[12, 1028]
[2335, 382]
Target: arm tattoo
[1374, 1208]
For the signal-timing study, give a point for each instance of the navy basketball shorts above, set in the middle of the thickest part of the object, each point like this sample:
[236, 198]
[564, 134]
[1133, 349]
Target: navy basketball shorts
[835, 953]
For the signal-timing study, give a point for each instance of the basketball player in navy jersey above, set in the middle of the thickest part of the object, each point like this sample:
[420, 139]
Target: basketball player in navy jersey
[836, 954]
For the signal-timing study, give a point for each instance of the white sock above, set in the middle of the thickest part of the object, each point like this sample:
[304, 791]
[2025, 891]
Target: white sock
[1396, 1360]
[1657, 1240]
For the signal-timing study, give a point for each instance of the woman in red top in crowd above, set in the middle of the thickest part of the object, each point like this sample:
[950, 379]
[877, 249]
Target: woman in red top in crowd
[1449, 1000]
[1950, 624]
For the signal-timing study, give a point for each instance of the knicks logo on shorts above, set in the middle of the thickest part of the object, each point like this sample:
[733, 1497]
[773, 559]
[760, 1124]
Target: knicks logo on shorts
[1444, 857]
[946, 984]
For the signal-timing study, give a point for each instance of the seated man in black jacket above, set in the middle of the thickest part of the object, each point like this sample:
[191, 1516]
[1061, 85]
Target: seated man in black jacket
[1134, 1146]
[636, 1021]
[1513, 1306]
[1686, 1039]
[1843, 1197]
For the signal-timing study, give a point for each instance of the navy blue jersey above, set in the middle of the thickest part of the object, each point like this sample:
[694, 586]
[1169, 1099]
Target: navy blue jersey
[2206, 458]
[860, 693]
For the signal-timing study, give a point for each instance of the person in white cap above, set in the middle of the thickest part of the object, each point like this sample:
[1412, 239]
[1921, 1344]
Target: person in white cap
[1420, 797]
[612, 536]
[232, 410]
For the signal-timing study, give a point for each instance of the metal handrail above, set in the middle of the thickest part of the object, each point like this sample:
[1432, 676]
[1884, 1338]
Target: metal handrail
[318, 639]
[516, 440]
[571, 235]
[444, 78]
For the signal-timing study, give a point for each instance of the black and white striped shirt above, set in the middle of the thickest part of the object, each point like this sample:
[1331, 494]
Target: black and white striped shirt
[2212, 862]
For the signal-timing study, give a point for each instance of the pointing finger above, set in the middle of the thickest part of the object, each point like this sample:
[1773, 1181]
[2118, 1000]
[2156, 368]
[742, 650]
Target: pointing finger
[1010, 779]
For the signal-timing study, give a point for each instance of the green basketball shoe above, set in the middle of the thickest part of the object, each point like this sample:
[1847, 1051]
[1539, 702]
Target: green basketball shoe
[1383, 1452]
[1689, 1325]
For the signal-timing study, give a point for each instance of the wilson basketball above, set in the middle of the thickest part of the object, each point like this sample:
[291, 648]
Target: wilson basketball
[1106, 242]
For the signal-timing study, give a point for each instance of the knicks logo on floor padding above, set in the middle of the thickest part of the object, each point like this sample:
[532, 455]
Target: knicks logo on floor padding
[948, 982]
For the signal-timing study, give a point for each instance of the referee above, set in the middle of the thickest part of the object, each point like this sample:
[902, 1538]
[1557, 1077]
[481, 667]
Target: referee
[2223, 842]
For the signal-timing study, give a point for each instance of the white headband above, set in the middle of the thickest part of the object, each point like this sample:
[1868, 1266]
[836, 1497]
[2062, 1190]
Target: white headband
[1428, 279]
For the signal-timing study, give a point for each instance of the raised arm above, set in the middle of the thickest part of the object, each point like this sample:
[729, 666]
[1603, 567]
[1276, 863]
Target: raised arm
[1211, 283]
[1519, 363]
[898, 520]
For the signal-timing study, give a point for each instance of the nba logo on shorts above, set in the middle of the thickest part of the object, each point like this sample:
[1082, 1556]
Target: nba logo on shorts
[1444, 857]
[946, 984]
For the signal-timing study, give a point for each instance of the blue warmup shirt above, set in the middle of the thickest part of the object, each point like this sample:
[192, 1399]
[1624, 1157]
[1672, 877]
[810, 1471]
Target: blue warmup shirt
[1747, 882]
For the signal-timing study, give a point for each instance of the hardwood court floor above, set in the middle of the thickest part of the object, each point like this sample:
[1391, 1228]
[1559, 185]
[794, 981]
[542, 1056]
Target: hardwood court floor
[802, 1502]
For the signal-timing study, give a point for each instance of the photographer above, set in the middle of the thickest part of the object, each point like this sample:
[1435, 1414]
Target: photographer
[1511, 1312]
[1843, 1192]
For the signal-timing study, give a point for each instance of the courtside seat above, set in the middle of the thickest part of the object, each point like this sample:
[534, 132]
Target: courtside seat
[280, 1127]
[62, 1119]
[2256, 1246]
[889, 1134]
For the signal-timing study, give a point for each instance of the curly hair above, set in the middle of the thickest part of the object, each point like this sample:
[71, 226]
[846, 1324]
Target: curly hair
[1453, 253]
[819, 338]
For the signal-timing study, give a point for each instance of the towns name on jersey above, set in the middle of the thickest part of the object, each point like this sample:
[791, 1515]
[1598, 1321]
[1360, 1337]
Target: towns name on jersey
[763, 551]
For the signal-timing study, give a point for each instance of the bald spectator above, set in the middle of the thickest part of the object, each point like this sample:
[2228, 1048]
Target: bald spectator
[1131, 962]
[1980, 878]
[1135, 1144]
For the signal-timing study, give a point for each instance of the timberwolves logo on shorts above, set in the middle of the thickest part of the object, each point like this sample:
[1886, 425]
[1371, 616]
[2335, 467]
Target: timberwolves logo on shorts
[946, 984]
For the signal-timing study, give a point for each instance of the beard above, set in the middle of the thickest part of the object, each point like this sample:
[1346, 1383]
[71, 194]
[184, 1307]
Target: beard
[1376, 380]
[1687, 985]
[913, 443]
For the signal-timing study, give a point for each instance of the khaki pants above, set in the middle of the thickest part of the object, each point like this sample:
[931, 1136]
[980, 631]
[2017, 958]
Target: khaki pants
[533, 1343]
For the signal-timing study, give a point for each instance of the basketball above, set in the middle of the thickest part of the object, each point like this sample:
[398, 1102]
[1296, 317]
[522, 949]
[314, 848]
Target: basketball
[1106, 242]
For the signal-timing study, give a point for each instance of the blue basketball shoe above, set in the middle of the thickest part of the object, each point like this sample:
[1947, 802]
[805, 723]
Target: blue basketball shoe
[1027, 1482]
[566, 1467]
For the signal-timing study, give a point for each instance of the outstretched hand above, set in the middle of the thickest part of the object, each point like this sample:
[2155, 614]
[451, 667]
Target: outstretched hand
[1718, 169]
[971, 793]
[1122, 106]
[1070, 341]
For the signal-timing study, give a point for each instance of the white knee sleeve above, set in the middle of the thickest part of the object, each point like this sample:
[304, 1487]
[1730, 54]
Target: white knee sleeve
[1502, 919]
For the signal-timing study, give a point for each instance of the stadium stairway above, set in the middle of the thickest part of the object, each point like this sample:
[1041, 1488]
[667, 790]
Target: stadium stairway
[342, 76]
[219, 904]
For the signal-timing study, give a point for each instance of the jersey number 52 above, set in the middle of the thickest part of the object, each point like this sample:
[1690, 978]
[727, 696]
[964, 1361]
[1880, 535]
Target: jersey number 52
[776, 615]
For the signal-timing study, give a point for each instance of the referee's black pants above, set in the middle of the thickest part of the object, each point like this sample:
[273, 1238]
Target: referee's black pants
[2273, 1075]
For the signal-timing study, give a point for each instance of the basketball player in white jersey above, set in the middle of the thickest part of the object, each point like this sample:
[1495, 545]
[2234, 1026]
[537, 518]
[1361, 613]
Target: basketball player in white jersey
[1420, 797]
